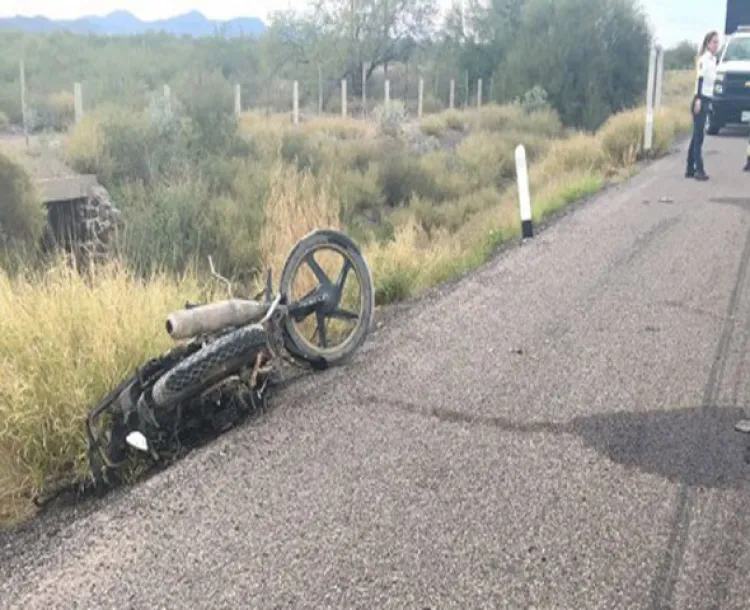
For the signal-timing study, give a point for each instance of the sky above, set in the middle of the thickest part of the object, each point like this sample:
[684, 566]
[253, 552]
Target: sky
[672, 20]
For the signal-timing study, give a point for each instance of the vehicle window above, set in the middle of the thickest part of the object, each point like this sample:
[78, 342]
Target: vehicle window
[738, 49]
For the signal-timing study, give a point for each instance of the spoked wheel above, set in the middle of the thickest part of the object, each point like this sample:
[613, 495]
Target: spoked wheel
[330, 292]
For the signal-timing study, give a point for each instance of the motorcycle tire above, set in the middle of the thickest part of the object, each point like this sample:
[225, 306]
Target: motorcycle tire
[297, 345]
[209, 365]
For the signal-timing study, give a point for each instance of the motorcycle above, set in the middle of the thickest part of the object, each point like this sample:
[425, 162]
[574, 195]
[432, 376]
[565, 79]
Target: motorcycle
[227, 354]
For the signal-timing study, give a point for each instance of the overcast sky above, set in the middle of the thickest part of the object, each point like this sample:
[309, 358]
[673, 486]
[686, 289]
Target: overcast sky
[673, 20]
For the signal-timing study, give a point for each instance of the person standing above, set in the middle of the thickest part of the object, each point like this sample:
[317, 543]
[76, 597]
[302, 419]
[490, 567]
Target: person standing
[706, 78]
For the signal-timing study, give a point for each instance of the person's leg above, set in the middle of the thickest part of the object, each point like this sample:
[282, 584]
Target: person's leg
[690, 171]
[698, 133]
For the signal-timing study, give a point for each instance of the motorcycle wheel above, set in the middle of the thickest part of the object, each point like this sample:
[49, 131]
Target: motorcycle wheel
[301, 346]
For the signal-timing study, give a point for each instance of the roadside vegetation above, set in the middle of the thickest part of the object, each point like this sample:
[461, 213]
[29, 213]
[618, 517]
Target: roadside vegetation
[427, 199]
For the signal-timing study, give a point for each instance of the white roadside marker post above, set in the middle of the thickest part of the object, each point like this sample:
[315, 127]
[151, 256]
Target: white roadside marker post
[524, 196]
[649, 134]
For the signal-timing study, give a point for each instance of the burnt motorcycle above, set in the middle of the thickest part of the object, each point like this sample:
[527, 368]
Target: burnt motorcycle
[229, 352]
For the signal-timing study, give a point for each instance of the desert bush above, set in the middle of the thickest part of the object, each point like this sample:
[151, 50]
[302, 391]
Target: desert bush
[621, 137]
[580, 151]
[111, 143]
[402, 176]
[341, 128]
[57, 111]
[359, 193]
[534, 99]
[433, 125]
[402, 267]
[22, 217]
[390, 118]
[449, 174]
[489, 158]
[303, 150]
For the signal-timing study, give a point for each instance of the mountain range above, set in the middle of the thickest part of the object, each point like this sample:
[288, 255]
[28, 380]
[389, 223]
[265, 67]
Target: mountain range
[123, 23]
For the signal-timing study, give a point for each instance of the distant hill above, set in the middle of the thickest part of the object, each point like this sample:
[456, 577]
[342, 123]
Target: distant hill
[124, 23]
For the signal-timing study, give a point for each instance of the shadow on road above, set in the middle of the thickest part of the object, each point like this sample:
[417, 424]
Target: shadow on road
[694, 446]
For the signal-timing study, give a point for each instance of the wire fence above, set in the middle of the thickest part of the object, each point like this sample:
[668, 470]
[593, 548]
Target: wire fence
[305, 93]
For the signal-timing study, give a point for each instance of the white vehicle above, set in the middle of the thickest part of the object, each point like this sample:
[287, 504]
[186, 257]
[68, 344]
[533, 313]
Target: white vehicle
[731, 98]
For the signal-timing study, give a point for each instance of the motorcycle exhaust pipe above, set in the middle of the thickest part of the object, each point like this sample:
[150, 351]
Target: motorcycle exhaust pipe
[187, 323]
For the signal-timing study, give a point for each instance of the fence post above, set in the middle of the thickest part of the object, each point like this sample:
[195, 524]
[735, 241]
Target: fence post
[237, 100]
[387, 93]
[479, 93]
[364, 90]
[295, 102]
[78, 95]
[649, 130]
[343, 97]
[22, 71]
[420, 100]
[320, 90]
[524, 196]
[659, 76]
[452, 95]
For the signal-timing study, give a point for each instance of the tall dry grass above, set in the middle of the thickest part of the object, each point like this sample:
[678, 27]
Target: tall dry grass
[65, 341]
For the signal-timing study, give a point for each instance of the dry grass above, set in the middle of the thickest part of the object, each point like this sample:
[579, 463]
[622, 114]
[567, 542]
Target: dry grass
[64, 343]
[297, 204]
[410, 263]
[21, 211]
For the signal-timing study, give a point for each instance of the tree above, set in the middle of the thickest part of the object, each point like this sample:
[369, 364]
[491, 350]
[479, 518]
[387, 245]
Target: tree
[351, 34]
[591, 56]
[681, 57]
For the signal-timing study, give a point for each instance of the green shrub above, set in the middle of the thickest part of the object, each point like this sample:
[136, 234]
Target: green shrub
[57, 111]
[402, 176]
[489, 158]
[22, 217]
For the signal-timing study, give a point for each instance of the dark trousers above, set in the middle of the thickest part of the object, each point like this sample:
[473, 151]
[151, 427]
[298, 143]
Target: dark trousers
[695, 151]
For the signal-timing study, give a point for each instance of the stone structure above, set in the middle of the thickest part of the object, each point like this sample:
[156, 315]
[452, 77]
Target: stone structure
[81, 218]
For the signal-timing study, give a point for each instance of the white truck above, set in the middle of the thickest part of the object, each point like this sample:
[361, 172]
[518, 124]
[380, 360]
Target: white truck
[731, 98]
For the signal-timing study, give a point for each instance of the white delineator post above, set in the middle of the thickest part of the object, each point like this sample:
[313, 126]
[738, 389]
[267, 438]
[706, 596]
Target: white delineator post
[452, 97]
[524, 196]
[649, 131]
[237, 100]
[659, 77]
[479, 93]
[387, 93]
[343, 97]
[295, 103]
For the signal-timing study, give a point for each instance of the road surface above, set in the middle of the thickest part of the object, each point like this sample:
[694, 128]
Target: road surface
[554, 431]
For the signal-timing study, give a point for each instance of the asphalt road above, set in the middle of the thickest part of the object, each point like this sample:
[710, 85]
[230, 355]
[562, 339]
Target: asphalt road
[554, 431]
